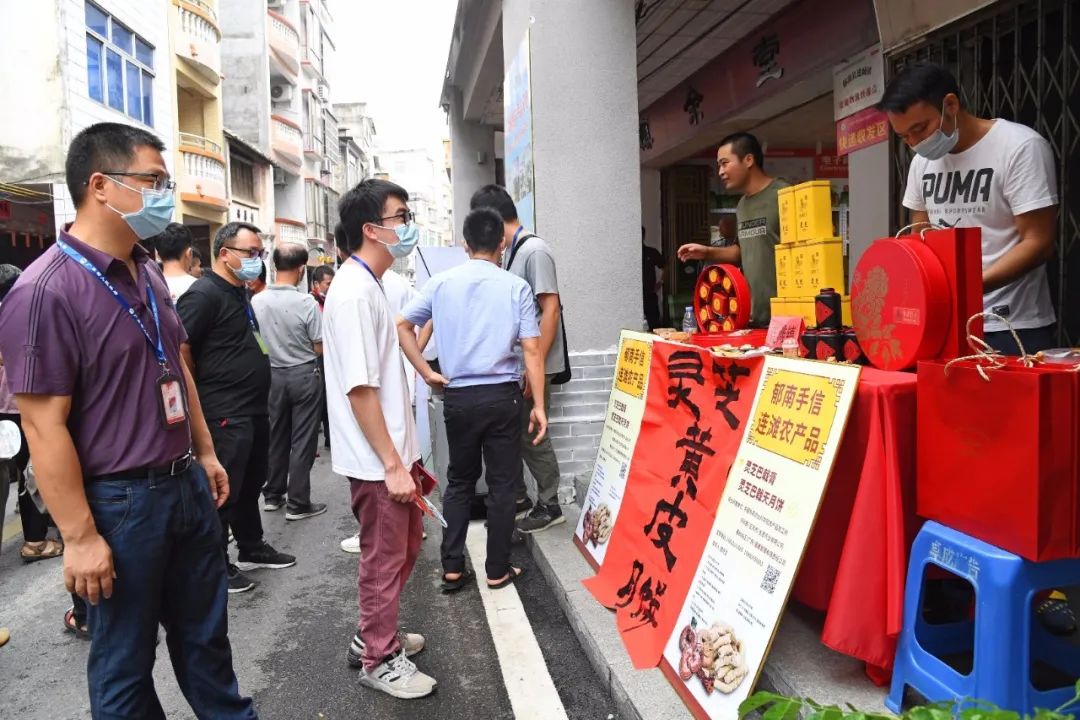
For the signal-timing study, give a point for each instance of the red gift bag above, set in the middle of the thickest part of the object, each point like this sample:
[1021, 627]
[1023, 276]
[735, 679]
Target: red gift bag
[999, 458]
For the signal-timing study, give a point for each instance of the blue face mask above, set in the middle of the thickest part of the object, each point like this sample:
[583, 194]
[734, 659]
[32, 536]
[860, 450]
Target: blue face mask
[250, 269]
[408, 238]
[155, 214]
[938, 145]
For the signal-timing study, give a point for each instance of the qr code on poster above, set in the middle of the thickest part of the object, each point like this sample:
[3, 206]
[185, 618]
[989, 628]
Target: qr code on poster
[771, 576]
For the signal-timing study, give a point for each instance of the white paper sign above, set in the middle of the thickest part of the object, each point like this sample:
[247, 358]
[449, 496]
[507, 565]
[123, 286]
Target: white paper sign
[858, 83]
[762, 526]
[622, 425]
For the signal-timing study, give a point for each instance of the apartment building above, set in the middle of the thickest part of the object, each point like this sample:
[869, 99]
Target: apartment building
[200, 170]
[107, 60]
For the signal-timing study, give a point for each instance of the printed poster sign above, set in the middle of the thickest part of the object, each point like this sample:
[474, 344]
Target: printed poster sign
[858, 83]
[697, 406]
[518, 149]
[622, 424]
[762, 525]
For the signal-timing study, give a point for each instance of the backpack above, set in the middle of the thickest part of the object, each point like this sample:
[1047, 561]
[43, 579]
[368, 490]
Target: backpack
[563, 377]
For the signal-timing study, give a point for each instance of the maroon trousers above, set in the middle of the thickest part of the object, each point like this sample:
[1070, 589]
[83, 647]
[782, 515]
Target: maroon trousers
[390, 537]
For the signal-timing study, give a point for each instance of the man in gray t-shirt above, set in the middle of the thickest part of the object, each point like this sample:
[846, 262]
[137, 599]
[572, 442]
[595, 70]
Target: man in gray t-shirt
[530, 258]
[291, 326]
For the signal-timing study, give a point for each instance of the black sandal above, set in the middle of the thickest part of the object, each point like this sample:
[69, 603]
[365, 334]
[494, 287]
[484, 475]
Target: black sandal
[82, 632]
[514, 575]
[457, 584]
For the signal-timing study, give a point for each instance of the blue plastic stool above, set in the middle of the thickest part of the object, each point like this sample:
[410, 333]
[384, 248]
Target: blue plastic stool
[1006, 630]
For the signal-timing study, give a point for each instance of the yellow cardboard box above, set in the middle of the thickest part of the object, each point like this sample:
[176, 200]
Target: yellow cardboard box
[823, 265]
[784, 270]
[813, 210]
[786, 200]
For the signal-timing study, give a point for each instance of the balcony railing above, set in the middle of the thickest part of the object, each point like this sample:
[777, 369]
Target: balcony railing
[287, 140]
[291, 231]
[284, 42]
[205, 7]
[203, 179]
[198, 141]
[200, 38]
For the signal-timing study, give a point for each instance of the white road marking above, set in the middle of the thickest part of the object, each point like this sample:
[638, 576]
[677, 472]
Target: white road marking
[528, 683]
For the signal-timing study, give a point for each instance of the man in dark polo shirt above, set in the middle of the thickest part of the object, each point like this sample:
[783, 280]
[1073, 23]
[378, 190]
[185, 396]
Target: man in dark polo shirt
[228, 359]
[91, 346]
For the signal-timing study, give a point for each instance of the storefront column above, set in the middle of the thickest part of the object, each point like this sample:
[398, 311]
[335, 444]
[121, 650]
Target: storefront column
[585, 156]
[472, 148]
[868, 190]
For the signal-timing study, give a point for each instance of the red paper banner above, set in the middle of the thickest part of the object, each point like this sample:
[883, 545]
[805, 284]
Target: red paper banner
[695, 415]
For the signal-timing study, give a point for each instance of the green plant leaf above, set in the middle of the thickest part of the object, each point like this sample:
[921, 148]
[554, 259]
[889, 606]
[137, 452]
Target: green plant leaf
[833, 713]
[783, 709]
[756, 701]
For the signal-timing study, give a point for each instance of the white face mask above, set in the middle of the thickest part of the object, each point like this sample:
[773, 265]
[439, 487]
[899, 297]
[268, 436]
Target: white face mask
[938, 145]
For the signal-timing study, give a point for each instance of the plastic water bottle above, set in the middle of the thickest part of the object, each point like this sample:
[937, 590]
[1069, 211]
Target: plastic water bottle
[689, 325]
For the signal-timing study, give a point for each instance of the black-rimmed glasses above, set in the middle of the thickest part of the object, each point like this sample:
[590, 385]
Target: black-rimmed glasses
[248, 252]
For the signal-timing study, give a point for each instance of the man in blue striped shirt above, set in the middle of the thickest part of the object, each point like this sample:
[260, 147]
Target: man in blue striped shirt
[482, 312]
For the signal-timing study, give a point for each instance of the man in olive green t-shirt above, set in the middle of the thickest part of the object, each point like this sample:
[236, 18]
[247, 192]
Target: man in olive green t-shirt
[741, 164]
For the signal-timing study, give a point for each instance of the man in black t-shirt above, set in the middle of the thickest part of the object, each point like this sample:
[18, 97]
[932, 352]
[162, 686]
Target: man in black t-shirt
[651, 261]
[229, 361]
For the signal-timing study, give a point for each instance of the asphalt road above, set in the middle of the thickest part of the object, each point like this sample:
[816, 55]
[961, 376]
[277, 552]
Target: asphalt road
[290, 635]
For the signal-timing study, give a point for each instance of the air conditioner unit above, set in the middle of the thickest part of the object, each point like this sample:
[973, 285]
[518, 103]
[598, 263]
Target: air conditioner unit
[282, 93]
[279, 176]
[324, 93]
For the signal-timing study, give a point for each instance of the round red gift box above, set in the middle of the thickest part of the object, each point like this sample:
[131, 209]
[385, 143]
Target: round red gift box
[726, 286]
[900, 303]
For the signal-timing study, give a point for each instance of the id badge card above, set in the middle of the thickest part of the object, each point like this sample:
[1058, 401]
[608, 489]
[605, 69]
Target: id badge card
[262, 343]
[171, 401]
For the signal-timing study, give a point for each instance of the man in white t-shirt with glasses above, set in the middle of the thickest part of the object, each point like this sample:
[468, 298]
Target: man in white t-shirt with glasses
[992, 174]
[373, 431]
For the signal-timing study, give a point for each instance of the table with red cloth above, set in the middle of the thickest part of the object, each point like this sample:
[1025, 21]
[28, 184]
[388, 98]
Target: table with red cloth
[856, 562]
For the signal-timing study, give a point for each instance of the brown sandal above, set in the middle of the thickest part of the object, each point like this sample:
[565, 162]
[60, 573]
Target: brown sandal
[44, 550]
[80, 631]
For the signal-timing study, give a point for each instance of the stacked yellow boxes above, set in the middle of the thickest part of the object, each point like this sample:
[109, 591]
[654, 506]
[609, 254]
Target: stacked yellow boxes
[808, 258]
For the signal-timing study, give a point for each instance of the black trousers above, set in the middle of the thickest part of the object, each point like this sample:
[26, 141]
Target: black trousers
[241, 443]
[483, 423]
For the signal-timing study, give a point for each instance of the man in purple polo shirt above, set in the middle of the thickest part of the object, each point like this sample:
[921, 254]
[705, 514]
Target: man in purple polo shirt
[91, 346]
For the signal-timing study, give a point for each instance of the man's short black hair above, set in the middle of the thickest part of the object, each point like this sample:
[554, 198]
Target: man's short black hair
[340, 240]
[228, 232]
[483, 230]
[321, 273]
[743, 144]
[8, 275]
[262, 274]
[173, 242]
[100, 147]
[196, 256]
[496, 198]
[290, 256]
[919, 81]
[364, 204]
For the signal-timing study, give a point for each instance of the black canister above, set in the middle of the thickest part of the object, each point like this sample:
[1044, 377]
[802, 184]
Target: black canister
[852, 349]
[828, 310]
[808, 344]
[829, 345]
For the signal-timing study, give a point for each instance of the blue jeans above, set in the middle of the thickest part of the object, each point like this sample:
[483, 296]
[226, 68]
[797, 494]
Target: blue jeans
[166, 545]
[1034, 339]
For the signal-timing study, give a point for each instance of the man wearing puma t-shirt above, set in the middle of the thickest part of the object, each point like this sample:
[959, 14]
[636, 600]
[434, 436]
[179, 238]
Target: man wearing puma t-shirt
[992, 174]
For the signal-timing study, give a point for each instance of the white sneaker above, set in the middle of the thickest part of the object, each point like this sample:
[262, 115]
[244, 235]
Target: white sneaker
[411, 643]
[399, 677]
[352, 544]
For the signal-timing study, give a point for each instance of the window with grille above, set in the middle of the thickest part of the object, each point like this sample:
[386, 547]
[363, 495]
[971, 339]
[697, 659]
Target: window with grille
[242, 176]
[1017, 60]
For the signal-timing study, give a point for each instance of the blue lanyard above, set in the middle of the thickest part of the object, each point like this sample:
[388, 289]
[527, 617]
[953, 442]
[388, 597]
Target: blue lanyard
[370, 272]
[513, 242]
[158, 347]
[251, 317]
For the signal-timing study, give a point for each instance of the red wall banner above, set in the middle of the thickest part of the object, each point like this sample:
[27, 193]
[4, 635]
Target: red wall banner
[695, 414]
